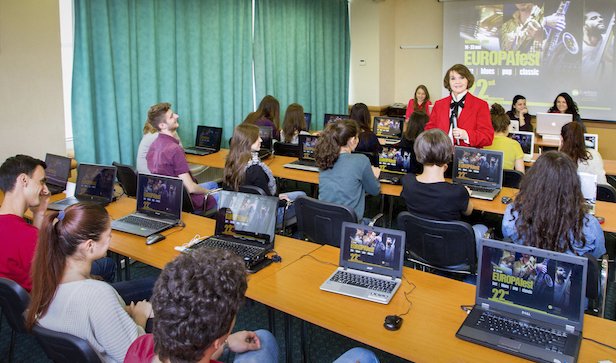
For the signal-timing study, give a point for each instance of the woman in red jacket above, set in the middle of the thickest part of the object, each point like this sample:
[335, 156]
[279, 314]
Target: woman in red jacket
[464, 117]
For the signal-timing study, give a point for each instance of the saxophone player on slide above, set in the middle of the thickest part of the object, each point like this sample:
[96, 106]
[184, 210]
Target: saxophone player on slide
[527, 28]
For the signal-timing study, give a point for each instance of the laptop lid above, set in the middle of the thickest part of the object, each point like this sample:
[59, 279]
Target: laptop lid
[510, 279]
[250, 216]
[514, 125]
[387, 127]
[329, 118]
[307, 144]
[95, 182]
[395, 160]
[159, 196]
[551, 123]
[58, 169]
[308, 119]
[208, 137]
[590, 140]
[266, 133]
[372, 249]
[526, 140]
[479, 167]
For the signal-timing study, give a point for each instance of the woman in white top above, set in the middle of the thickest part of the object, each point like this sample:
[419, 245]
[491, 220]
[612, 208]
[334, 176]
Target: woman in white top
[587, 160]
[64, 296]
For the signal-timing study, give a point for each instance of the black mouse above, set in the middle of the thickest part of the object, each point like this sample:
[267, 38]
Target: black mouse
[153, 238]
[392, 322]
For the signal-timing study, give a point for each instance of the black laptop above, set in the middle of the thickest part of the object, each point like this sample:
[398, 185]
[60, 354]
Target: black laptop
[207, 141]
[330, 118]
[306, 160]
[308, 119]
[389, 129]
[267, 135]
[57, 172]
[94, 184]
[529, 302]
[480, 170]
[246, 225]
[159, 206]
[394, 163]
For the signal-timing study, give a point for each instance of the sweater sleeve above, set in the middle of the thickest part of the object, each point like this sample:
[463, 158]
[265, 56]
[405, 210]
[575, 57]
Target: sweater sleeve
[483, 134]
[595, 239]
[370, 183]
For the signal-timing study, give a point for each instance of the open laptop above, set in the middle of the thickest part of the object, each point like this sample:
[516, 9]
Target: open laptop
[207, 141]
[267, 135]
[308, 119]
[514, 125]
[388, 128]
[371, 260]
[329, 118]
[394, 163]
[159, 206]
[57, 172]
[527, 142]
[522, 310]
[591, 141]
[94, 184]
[306, 160]
[550, 124]
[245, 224]
[480, 170]
[588, 184]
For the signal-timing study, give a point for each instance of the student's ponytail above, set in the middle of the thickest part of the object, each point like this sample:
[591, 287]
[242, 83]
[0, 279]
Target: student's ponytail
[334, 136]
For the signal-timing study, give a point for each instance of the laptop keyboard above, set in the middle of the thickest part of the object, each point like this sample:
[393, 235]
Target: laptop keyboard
[144, 222]
[481, 189]
[551, 339]
[306, 162]
[367, 282]
[241, 250]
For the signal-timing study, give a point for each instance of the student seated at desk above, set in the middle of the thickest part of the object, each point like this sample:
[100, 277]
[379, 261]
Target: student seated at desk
[414, 127]
[344, 177]
[513, 156]
[587, 160]
[519, 112]
[66, 299]
[368, 141]
[268, 114]
[563, 103]
[549, 210]
[294, 124]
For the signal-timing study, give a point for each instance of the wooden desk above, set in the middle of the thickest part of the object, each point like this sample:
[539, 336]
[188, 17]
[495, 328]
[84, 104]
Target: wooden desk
[539, 141]
[428, 331]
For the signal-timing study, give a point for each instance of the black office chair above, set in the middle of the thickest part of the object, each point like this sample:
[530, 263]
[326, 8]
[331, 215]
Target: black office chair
[443, 245]
[320, 221]
[606, 193]
[127, 177]
[14, 301]
[286, 149]
[188, 206]
[62, 347]
[512, 178]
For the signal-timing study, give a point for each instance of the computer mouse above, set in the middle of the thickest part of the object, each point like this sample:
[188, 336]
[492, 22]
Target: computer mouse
[392, 322]
[506, 200]
[153, 238]
[395, 180]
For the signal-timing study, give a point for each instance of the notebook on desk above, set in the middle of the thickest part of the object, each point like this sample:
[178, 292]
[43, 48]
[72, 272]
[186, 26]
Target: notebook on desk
[57, 172]
[159, 206]
[527, 142]
[306, 160]
[394, 163]
[388, 129]
[94, 184]
[207, 141]
[480, 170]
[371, 261]
[529, 302]
[245, 225]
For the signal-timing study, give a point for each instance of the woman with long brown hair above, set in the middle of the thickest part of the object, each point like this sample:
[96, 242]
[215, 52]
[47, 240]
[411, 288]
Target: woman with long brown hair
[294, 124]
[588, 160]
[66, 299]
[419, 102]
[549, 211]
[268, 114]
[368, 141]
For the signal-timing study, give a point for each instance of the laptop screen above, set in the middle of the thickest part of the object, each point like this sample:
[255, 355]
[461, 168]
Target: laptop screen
[387, 127]
[331, 118]
[525, 139]
[247, 215]
[477, 166]
[307, 144]
[58, 169]
[372, 249]
[308, 119]
[395, 160]
[160, 196]
[266, 133]
[534, 283]
[591, 141]
[208, 137]
[95, 181]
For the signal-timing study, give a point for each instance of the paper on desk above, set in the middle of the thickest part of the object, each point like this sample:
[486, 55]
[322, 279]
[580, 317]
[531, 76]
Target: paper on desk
[70, 189]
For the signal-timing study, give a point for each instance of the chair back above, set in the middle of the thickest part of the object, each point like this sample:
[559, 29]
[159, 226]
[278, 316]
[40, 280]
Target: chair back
[62, 347]
[606, 193]
[286, 149]
[593, 278]
[512, 178]
[127, 177]
[320, 221]
[14, 301]
[444, 245]
[187, 204]
[251, 189]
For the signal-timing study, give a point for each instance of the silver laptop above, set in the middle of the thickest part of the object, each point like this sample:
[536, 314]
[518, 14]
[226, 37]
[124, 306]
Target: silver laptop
[588, 183]
[480, 170]
[94, 184]
[306, 160]
[550, 124]
[159, 206]
[529, 302]
[207, 141]
[527, 142]
[591, 141]
[371, 261]
[57, 172]
[388, 128]
[514, 125]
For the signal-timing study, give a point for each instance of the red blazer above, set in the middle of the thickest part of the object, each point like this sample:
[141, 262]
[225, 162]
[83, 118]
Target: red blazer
[474, 118]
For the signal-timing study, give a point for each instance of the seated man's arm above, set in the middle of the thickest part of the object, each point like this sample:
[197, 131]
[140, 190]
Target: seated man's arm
[190, 185]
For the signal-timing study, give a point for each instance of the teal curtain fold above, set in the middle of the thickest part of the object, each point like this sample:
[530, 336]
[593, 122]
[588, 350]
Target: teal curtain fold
[302, 54]
[129, 55]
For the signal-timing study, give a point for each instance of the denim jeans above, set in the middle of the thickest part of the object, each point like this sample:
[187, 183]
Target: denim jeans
[104, 267]
[291, 210]
[360, 355]
[135, 290]
[209, 186]
[267, 353]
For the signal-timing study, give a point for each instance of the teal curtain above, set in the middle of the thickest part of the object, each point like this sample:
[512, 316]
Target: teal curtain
[302, 54]
[131, 54]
